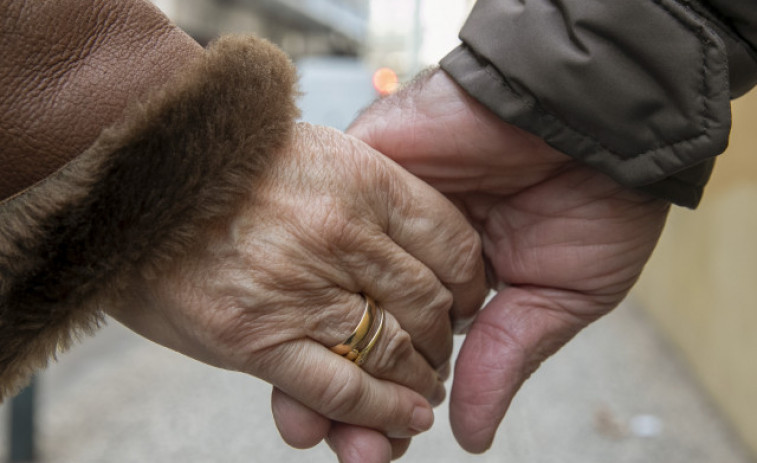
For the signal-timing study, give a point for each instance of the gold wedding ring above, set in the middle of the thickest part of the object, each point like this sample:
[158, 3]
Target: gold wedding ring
[357, 346]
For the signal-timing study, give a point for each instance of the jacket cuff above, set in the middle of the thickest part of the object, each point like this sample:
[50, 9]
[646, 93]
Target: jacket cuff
[146, 191]
[638, 90]
[684, 188]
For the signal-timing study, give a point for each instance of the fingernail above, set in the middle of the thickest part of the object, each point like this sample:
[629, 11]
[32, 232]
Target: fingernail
[439, 394]
[422, 420]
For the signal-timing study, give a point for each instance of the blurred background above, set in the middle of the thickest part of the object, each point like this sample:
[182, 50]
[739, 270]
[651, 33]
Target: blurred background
[348, 51]
[669, 376]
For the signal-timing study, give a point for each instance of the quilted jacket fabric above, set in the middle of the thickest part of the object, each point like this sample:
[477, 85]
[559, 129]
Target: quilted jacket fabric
[638, 89]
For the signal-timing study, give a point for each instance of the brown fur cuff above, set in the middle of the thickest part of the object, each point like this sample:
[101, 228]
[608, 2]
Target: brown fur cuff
[142, 194]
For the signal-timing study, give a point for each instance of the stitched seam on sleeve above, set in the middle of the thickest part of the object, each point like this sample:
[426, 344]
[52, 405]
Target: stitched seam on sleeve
[703, 87]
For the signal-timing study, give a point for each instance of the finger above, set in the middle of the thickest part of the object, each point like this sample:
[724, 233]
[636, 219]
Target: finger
[392, 358]
[510, 338]
[340, 390]
[428, 226]
[395, 359]
[355, 444]
[408, 290]
[301, 427]
[298, 425]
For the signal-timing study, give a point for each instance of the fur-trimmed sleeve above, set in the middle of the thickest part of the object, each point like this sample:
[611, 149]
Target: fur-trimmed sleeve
[143, 193]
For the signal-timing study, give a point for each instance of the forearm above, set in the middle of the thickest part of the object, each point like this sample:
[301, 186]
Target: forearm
[639, 90]
[69, 68]
[155, 141]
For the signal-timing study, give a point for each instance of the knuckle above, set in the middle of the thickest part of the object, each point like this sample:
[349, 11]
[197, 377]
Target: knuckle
[432, 305]
[428, 284]
[442, 301]
[424, 290]
[469, 258]
[433, 336]
[399, 346]
[342, 399]
[334, 317]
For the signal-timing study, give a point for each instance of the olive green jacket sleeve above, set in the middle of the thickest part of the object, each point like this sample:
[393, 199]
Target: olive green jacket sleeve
[638, 89]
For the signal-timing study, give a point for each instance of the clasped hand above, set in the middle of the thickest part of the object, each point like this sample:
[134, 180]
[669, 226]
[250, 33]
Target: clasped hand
[280, 282]
[563, 243]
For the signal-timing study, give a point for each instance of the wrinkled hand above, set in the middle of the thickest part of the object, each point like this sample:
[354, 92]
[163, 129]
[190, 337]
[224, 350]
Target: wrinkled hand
[564, 242]
[280, 282]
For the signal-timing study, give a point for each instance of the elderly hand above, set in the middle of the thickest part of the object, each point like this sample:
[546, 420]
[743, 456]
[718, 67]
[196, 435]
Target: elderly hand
[281, 282]
[564, 242]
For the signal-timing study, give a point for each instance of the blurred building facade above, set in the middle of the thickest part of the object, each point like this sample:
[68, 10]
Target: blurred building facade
[405, 35]
[410, 35]
[300, 27]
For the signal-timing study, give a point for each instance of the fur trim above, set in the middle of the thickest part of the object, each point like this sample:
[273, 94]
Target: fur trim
[143, 193]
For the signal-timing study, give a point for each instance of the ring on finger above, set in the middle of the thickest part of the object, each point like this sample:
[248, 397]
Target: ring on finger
[358, 345]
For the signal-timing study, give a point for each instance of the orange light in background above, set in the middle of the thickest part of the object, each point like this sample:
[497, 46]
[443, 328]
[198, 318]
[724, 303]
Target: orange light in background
[385, 81]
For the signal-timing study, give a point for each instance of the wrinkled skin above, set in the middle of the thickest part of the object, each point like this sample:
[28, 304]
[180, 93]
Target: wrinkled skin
[564, 244]
[280, 282]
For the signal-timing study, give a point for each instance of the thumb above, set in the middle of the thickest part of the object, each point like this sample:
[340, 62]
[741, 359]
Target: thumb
[509, 339]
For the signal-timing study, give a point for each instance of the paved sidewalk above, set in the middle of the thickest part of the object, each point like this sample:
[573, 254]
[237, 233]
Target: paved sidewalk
[617, 394]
